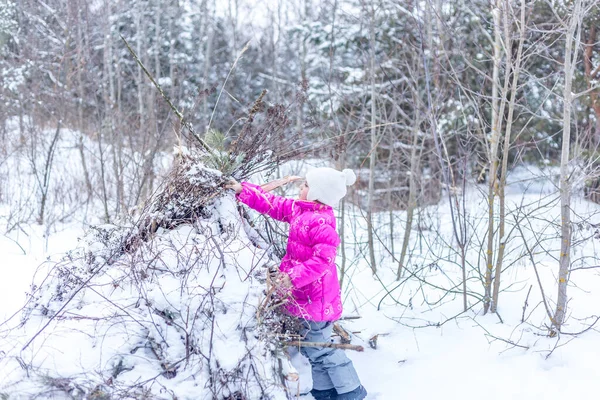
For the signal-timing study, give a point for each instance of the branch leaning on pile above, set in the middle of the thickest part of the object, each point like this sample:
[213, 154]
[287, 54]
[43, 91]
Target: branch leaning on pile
[327, 344]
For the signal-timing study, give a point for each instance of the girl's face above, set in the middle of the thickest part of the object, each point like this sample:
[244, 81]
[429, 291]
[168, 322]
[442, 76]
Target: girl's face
[303, 190]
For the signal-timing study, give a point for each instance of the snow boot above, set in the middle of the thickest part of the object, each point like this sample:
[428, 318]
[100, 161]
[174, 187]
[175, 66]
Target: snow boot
[357, 394]
[329, 394]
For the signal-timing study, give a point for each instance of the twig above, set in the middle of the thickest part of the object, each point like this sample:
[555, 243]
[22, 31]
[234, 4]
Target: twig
[57, 313]
[507, 341]
[17, 243]
[255, 108]
[530, 253]
[525, 305]
[343, 333]
[348, 317]
[583, 331]
[162, 93]
[225, 83]
[510, 342]
[590, 267]
[556, 345]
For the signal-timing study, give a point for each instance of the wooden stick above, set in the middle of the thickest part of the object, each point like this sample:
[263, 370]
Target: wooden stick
[267, 187]
[342, 332]
[331, 345]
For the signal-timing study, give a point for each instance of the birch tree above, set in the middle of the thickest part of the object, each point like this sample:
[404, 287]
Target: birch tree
[493, 153]
[82, 57]
[374, 141]
[513, 67]
[412, 190]
[572, 40]
[592, 73]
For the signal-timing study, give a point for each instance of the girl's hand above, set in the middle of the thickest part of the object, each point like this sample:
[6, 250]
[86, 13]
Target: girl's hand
[235, 185]
[284, 281]
[281, 281]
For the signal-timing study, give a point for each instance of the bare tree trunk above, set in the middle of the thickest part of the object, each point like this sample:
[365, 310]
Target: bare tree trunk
[79, 67]
[210, 28]
[172, 63]
[116, 137]
[591, 74]
[21, 108]
[390, 187]
[342, 214]
[303, 53]
[80, 88]
[119, 92]
[341, 161]
[373, 156]
[412, 191]
[570, 64]
[139, 28]
[445, 163]
[86, 174]
[44, 182]
[147, 184]
[493, 157]
[233, 18]
[157, 44]
[275, 34]
[516, 69]
[109, 59]
[103, 179]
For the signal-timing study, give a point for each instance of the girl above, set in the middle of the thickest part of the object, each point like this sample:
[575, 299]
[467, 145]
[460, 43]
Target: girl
[308, 269]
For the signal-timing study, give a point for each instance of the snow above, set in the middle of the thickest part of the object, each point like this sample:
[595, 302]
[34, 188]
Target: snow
[427, 346]
[94, 335]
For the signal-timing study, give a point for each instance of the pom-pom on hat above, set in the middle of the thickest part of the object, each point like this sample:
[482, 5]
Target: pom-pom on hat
[328, 185]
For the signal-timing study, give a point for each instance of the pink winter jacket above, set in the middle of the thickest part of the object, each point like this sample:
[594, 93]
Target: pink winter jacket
[310, 254]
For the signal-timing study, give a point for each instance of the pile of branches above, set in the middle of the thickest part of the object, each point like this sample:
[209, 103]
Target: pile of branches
[186, 312]
[173, 301]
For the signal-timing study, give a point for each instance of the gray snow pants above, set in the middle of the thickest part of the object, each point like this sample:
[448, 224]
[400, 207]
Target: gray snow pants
[331, 368]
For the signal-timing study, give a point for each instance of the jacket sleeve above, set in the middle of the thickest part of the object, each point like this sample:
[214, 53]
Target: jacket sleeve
[325, 241]
[277, 207]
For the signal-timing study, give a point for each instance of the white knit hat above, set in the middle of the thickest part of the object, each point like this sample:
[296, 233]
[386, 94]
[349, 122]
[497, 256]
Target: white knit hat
[328, 185]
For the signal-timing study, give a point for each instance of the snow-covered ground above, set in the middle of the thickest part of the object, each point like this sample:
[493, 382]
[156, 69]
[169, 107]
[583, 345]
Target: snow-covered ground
[427, 346]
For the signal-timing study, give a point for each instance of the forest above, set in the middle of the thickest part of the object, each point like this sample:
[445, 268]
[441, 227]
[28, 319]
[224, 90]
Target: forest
[473, 128]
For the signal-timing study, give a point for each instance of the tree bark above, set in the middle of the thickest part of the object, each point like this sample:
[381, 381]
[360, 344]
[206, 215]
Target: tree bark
[592, 74]
[157, 43]
[493, 157]
[373, 155]
[516, 69]
[45, 181]
[412, 192]
[207, 56]
[80, 88]
[139, 27]
[570, 64]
